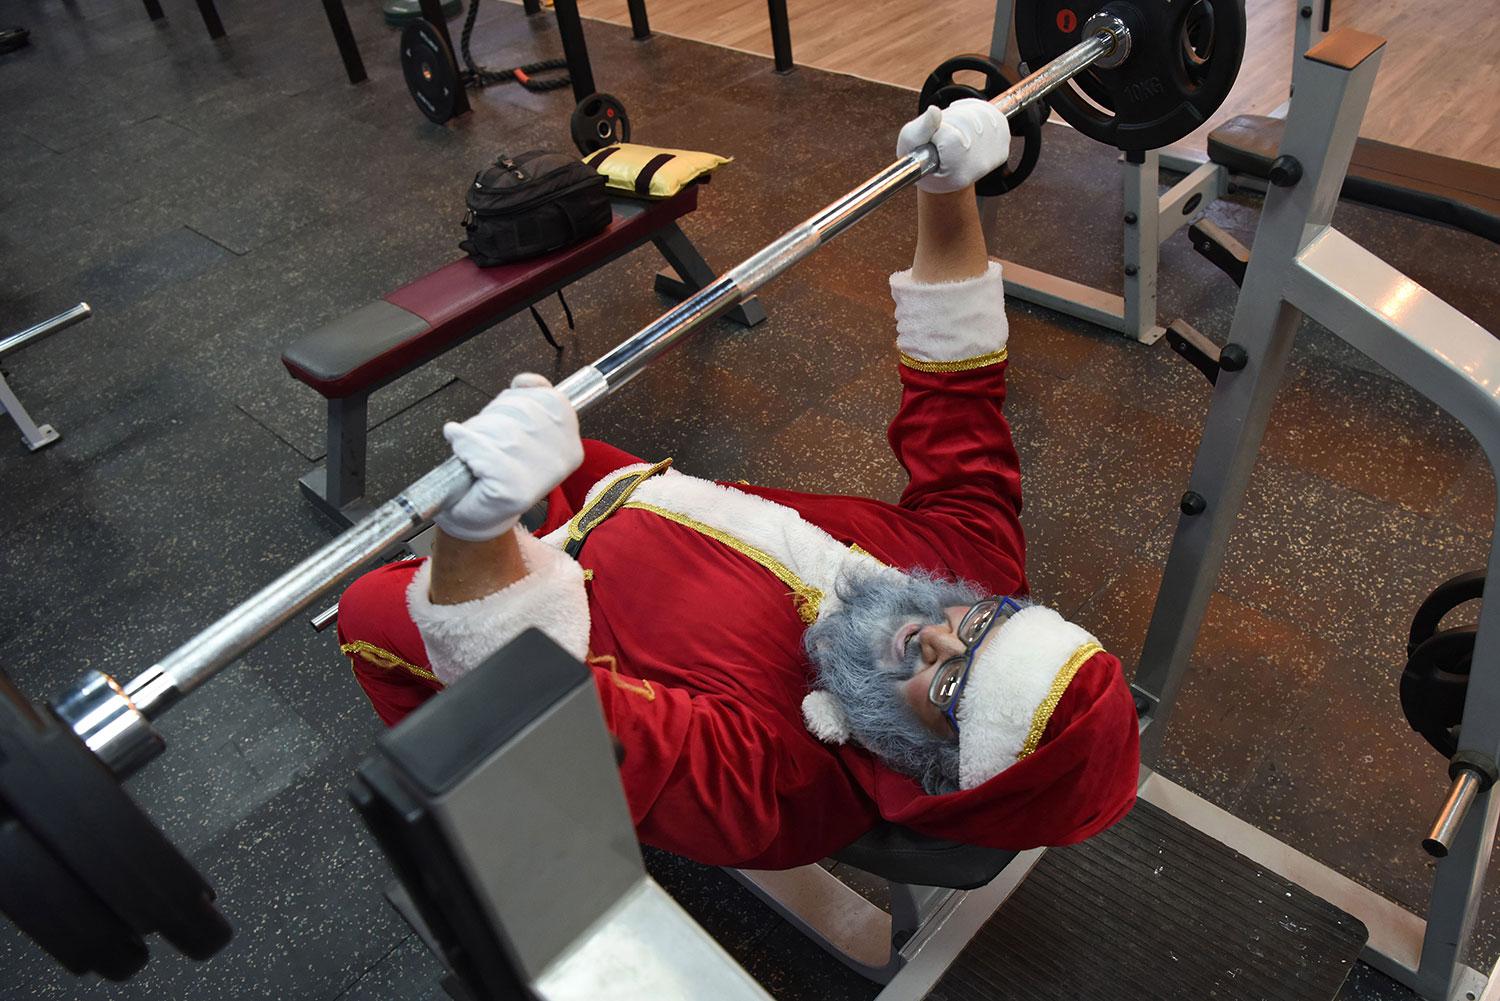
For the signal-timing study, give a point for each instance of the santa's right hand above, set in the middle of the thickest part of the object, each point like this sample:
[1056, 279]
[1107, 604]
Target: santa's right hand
[520, 446]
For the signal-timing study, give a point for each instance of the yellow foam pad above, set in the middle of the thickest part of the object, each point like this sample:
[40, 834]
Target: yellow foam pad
[651, 171]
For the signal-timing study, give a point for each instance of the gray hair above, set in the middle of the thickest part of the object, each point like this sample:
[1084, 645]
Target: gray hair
[849, 648]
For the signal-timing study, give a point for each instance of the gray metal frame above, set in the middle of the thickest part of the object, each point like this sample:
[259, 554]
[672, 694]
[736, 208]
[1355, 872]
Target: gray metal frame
[33, 435]
[1302, 266]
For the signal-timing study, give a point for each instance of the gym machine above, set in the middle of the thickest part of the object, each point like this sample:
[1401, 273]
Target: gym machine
[1301, 266]
[35, 436]
[1150, 216]
[64, 849]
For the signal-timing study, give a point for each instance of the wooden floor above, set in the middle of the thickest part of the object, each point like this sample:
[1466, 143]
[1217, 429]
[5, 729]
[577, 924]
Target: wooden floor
[1437, 91]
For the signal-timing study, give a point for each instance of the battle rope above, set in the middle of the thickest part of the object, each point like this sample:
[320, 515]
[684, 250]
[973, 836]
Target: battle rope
[480, 76]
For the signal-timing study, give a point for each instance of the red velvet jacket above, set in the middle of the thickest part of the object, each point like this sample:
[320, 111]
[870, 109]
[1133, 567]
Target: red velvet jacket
[697, 655]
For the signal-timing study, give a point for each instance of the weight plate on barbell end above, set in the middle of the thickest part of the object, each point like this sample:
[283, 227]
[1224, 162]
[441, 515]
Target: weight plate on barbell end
[65, 799]
[1435, 685]
[1184, 57]
[1435, 682]
[942, 90]
[599, 121]
[430, 70]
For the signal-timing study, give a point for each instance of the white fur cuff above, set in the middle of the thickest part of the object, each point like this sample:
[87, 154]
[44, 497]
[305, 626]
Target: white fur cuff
[551, 597]
[1013, 687]
[951, 322]
[825, 718]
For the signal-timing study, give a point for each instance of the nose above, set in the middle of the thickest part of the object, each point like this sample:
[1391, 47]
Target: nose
[938, 643]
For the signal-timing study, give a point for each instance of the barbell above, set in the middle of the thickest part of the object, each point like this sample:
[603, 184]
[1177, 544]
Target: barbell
[1128, 56]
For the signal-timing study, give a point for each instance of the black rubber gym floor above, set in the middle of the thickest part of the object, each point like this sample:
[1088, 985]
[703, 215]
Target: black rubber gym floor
[215, 200]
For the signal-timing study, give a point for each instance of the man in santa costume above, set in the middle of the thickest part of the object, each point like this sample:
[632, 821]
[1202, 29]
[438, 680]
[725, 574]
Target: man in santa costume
[784, 670]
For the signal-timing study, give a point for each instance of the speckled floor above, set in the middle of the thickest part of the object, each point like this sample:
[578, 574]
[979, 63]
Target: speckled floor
[214, 200]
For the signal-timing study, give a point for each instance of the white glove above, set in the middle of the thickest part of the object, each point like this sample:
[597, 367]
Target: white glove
[521, 445]
[972, 138]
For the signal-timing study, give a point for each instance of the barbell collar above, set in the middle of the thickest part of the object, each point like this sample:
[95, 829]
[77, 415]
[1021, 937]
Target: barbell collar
[104, 716]
[1115, 27]
[247, 624]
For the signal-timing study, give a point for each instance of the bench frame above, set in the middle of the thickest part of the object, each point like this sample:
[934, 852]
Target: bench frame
[337, 486]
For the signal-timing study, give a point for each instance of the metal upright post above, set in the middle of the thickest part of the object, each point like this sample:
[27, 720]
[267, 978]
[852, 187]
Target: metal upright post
[343, 36]
[1142, 221]
[153, 10]
[640, 24]
[575, 48]
[781, 35]
[1320, 136]
[211, 18]
[1003, 35]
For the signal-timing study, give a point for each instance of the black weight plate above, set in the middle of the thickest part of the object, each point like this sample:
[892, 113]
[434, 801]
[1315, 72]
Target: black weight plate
[1444, 598]
[1435, 685]
[74, 807]
[599, 121]
[941, 90]
[58, 913]
[430, 70]
[1165, 89]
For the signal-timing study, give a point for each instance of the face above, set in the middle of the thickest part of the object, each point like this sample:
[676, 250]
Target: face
[931, 644]
[876, 655]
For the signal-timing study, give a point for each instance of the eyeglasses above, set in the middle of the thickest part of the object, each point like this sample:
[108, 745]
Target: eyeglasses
[952, 674]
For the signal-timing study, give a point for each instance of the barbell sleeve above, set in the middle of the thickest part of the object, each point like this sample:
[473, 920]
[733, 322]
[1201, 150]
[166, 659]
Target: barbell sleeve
[1467, 785]
[114, 719]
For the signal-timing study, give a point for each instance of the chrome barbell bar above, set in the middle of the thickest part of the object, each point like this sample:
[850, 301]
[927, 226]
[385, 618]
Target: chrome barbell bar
[114, 719]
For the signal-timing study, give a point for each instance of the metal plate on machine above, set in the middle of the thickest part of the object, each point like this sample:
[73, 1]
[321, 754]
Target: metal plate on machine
[1153, 909]
[1184, 57]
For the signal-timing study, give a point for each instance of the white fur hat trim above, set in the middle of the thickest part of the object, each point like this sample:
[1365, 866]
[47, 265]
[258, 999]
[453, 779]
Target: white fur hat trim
[825, 718]
[950, 321]
[1009, 682]
[551, 597]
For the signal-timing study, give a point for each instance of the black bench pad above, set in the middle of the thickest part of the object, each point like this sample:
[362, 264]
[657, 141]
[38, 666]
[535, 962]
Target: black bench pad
[1454, 192]
[901, 855]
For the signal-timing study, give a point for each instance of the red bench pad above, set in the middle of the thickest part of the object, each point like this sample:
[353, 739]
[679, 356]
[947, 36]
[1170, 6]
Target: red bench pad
[419, 321]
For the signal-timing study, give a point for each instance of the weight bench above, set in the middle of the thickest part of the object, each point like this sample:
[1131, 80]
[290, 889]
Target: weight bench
[1455, 192]
[351, 357]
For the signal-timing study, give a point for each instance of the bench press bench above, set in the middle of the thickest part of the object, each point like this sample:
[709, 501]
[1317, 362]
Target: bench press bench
[351, 357]
[1453, 192]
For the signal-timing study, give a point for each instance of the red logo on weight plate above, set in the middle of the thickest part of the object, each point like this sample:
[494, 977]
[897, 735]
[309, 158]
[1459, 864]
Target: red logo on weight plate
[1067, 21]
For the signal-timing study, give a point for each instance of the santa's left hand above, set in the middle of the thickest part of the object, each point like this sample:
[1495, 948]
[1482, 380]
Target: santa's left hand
[972, 138]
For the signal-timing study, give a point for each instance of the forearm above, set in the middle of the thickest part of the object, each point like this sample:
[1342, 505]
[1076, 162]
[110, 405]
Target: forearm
[950, 240]
[472, 598]
[465, 571]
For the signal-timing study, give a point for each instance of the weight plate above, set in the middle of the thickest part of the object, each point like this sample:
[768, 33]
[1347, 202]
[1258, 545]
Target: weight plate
[599, 121]
[1184, 57]
[58, 913]
[941, 89]
[1435, 683]
[430, 70]
[69, 802]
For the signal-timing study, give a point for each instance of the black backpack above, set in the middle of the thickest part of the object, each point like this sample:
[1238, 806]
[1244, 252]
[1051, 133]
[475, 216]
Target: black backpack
[527, 205]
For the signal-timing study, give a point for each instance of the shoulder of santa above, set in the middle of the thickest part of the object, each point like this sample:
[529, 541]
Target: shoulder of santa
[805, 557]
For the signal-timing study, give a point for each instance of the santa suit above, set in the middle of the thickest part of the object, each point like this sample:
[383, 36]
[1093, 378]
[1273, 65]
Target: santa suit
[697, 597]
